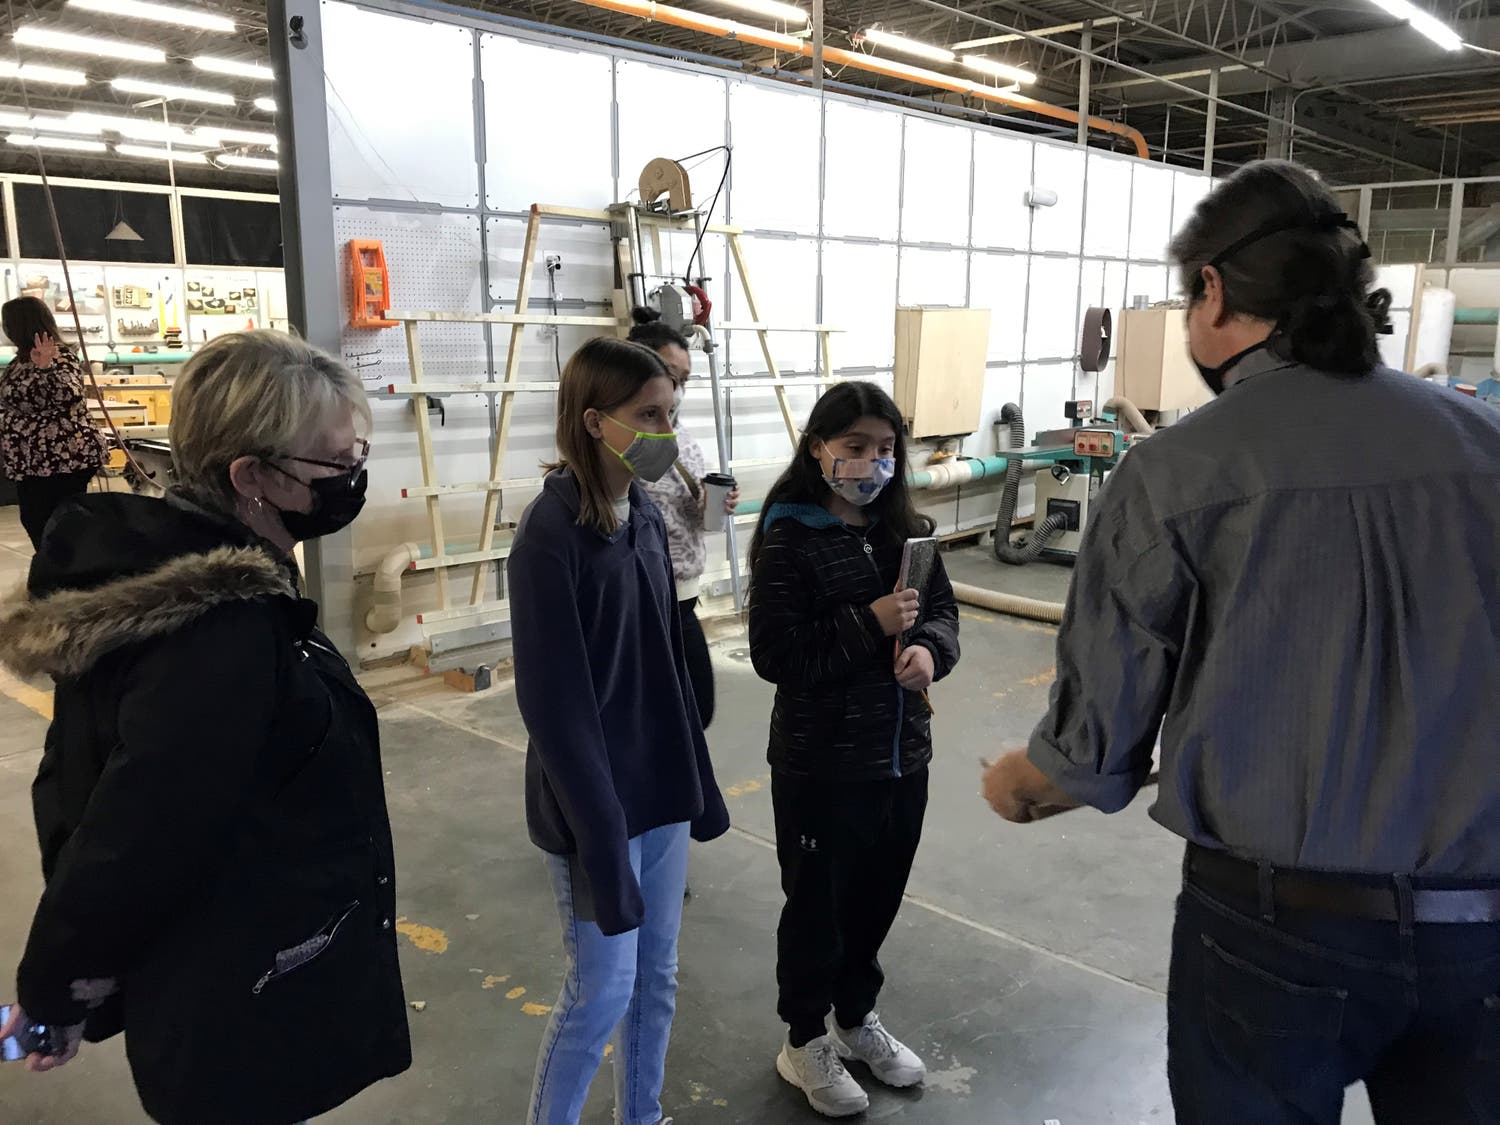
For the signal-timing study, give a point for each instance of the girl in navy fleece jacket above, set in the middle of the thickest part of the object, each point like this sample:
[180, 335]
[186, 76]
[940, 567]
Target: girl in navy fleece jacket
[617, 770]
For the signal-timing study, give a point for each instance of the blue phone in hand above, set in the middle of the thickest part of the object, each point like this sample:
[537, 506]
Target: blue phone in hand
[30, 1038]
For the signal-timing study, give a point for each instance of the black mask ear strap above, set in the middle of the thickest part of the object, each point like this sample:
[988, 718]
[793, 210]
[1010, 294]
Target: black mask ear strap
[1332, 221]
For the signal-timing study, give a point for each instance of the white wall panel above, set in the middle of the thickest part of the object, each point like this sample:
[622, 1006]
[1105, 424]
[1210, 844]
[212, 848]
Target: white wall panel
[1189, 189]
[1052, 311]
[399, 148]
[935, 195]
[1393, 347]
[586, 251]
[1150, 212]
[859, 297]
[1107, 213]
[1002, 176]
[933, 277]
[784, 275]
[671, 113]
[526, 164]
[1001, 385]
[774, 182]
[434, 263]
[1149, 280]
[998, 282]
[1401, 281]
[1045, 387]
[1059, 228]
[862, 171]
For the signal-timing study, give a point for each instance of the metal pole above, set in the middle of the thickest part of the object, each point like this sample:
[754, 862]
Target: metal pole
[1455, 222]
[817, 45]
[1085, 74]
[721, 431]
[312, 276]
[1212, 122]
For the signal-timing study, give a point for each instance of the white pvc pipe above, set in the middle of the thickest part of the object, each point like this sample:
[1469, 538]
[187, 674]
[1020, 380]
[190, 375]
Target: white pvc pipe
[384, 613]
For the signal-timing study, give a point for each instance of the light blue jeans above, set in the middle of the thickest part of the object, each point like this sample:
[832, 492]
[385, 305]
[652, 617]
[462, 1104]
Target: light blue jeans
[618, 990]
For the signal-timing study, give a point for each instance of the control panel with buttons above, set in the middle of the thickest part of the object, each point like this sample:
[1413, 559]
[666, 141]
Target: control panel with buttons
[1094, 443]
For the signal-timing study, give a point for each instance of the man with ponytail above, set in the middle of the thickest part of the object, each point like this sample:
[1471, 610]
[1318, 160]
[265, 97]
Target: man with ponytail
[1292, 592]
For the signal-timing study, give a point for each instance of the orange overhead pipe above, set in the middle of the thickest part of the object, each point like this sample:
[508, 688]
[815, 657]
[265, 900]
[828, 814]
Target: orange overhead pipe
[745, 33]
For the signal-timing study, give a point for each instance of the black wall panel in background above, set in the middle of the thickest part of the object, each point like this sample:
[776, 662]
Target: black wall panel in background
[86, 215]
[231, 232]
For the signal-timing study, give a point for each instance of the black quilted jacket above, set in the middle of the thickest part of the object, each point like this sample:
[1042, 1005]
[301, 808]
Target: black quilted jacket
[839, 710]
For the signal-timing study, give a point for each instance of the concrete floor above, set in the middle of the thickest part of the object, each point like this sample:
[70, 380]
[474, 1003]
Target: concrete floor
[1027, 967]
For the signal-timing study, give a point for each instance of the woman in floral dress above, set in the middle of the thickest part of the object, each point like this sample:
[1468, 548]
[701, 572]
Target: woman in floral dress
[48, 446]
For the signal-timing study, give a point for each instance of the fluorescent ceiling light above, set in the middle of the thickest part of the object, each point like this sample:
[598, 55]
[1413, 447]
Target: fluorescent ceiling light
[17, 119]
[240, 136]
[48, 40]
[910, 46]
[145, 152]
[265, 105]
[56, 76]
[235, 67]
[257, 162]
[139, 129]
[70, 143]
[786, 13]
[1423, 22]
[158, 13]
[173, 93]
[998, 69]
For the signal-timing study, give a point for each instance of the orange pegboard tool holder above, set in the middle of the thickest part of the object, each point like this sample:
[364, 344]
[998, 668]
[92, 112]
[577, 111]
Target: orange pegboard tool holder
[369, 285]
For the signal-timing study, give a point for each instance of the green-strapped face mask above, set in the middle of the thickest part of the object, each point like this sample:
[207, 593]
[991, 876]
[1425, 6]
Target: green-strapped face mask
[649, 456]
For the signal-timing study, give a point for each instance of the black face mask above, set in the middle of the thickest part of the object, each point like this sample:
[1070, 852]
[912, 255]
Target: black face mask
[336, 501]
[1214, 376]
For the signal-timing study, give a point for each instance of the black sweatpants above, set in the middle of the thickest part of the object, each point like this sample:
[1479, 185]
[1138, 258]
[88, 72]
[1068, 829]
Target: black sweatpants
[40, 496]
[699, 665]
[846, 850]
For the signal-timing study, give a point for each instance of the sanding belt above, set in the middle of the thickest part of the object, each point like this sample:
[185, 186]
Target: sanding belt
[1093, 352]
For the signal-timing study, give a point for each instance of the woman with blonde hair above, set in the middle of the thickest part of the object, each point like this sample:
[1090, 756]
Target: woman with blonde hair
[210, 806]
[617, 771]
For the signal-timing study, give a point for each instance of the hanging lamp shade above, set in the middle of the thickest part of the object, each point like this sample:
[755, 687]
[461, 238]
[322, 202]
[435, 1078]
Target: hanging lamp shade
[123, 232]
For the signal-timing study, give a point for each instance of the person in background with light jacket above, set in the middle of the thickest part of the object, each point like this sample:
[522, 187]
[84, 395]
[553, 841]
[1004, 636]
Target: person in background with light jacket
[851, 730]
[617, 771]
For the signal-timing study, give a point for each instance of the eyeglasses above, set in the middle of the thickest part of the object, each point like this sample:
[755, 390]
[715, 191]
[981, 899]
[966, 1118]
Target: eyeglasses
[358, 456]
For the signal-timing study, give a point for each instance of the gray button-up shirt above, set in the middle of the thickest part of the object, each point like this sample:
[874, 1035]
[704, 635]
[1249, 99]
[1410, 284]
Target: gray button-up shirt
[1299, 586]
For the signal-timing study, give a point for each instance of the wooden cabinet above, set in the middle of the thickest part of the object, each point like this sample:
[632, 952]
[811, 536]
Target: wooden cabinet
[1152, 366]
[940, 358]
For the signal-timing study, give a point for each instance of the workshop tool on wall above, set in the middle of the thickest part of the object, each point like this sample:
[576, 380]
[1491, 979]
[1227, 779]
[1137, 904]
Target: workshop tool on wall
[641, 278]
[369, 284]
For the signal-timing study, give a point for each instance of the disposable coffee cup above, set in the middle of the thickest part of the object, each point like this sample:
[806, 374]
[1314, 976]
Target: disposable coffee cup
[716, 486]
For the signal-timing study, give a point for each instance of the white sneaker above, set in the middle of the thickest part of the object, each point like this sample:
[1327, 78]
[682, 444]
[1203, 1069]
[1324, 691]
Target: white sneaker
[888, 1058]
[818, 1072]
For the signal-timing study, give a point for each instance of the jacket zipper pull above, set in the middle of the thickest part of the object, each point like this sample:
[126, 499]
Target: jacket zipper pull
[869, 550]
[260, 984]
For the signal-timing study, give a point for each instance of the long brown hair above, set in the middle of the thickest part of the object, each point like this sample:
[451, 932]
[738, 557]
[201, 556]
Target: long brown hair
[842, 405]
[601, 375]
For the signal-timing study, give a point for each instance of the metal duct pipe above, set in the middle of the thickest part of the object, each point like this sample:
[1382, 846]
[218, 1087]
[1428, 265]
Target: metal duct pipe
[835, 56]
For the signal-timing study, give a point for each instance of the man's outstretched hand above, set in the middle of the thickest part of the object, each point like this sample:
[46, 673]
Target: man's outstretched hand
[1020, 792]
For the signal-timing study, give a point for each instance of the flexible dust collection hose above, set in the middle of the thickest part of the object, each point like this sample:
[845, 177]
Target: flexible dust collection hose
[1011, 604]
[1029, 548]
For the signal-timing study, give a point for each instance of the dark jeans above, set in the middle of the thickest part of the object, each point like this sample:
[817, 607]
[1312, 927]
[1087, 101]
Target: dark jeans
[699, 665]
[40, 496]
[846, 849]
[1269, 1021]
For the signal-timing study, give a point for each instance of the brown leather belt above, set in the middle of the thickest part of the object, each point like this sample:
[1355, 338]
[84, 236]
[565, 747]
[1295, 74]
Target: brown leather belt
[1349, 896]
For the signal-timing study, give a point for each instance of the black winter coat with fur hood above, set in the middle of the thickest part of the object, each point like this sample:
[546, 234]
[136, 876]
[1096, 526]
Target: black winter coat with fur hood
[212, 819]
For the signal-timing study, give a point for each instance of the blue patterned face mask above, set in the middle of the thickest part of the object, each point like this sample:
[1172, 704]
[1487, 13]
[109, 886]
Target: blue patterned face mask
[860, 481]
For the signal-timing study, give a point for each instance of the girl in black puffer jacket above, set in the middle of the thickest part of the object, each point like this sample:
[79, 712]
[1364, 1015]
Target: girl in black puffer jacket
[850, 732]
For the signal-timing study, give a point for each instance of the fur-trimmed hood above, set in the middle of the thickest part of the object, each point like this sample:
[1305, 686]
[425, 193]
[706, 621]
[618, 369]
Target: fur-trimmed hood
[118, 570]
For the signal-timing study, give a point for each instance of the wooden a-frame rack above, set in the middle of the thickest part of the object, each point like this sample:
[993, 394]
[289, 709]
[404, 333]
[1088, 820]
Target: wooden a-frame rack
[628, 223]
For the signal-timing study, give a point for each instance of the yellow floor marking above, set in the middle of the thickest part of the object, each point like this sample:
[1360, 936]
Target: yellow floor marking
[1041, 679]
[531, 1009]
[919, 903]
[515, 994]
[609, 1049]
[426, 938]
[970, 615]
[754, 785]
[490, 981]
[33, 699]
